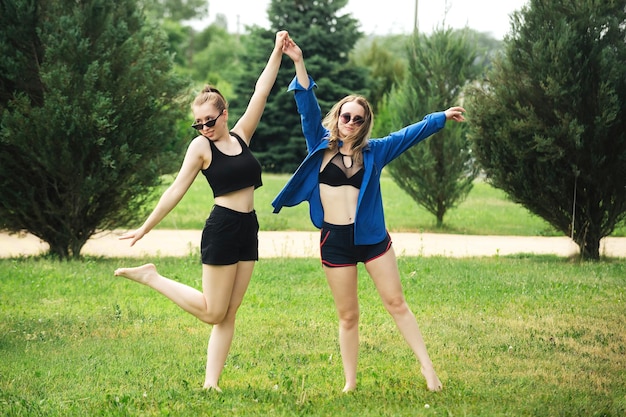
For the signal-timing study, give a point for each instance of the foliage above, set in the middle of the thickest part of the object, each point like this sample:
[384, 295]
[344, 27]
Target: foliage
[88, 111]
[217, 57]
[547, 124]
[316, 27]
[179, 40]
[176, 10]
[385, 59]
[438, 174]
[509, 336]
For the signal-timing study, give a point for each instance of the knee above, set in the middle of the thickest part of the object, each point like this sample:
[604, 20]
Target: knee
[396, 306]
[349, 319]
[213, 316]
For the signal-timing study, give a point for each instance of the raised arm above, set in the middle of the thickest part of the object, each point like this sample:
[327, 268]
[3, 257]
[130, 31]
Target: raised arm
[293, 51]
[248, 123]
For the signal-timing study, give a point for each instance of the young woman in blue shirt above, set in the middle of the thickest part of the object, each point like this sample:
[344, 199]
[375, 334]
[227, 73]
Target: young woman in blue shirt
[340, 179]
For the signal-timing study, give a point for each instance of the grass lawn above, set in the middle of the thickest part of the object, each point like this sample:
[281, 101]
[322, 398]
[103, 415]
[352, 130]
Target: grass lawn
[509, 336]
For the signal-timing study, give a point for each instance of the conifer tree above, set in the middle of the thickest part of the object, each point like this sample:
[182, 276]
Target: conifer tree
[438, 173]
[326, 37]
[548, 123]
[88, 117]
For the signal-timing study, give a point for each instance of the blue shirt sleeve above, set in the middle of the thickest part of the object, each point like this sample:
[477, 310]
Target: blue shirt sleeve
[310, 113]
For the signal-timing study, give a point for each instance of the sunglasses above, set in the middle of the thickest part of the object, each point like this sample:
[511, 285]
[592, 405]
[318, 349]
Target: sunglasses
[210, 123]
[347, 118]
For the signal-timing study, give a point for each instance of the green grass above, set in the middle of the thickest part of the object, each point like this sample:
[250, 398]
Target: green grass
[486, 211]
[509, 336]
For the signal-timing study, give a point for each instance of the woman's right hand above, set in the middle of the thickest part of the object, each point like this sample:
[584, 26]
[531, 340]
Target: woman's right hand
[135, 235]
[292, 50]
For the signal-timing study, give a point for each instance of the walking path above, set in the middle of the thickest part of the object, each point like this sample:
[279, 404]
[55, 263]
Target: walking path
[306, 244]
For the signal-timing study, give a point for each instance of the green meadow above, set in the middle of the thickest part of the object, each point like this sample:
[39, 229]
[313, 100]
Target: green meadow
[509, 336]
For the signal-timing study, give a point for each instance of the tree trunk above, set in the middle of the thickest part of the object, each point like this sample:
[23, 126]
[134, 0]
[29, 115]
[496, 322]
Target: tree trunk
[64, 248]
[589, 247]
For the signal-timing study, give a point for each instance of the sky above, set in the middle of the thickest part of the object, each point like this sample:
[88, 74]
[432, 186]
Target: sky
[388, 16]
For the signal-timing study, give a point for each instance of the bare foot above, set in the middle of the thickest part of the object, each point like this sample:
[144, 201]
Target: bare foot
[348, 388]
[142, 274]
[432, 380]
[212, 388]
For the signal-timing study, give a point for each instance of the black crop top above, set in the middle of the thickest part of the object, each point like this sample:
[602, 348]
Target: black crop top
[228, 173]
[337, 173]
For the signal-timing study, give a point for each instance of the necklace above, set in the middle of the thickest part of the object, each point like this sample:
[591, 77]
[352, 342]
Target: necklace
[347, 160]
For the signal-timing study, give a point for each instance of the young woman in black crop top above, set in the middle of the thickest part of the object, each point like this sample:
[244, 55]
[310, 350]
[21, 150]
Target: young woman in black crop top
[340, 179]
[229, 239]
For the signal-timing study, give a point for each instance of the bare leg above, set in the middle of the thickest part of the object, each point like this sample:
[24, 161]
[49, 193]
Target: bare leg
[386, 277]
[222, 333]
[188, 298]
[343, 284]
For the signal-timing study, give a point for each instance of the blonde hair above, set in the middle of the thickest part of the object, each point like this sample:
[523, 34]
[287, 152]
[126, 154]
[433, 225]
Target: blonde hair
[211, 95]
[360, 137]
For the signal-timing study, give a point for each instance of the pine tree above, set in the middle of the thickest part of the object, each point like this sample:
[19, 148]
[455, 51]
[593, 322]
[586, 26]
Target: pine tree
[548, 123]
[88, 117]
[326, 37]
[438, 173]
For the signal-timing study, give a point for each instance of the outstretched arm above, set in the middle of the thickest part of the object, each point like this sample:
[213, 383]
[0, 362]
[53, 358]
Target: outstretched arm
[455, 113]
[192, 164]
[248, 123]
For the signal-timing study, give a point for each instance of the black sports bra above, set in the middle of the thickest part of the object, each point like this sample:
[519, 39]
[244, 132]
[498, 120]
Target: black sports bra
[229, 173]
[337, 173]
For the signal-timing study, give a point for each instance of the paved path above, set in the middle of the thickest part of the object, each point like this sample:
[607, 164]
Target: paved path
[305, 244]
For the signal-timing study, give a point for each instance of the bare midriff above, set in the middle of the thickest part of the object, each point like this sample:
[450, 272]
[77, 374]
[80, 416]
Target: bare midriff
[339, 203]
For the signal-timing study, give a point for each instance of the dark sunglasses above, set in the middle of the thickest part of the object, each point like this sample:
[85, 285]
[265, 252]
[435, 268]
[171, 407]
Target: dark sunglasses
[210, 123]
[347, 117]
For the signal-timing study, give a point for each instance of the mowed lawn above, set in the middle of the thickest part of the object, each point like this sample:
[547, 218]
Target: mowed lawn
[509, 336]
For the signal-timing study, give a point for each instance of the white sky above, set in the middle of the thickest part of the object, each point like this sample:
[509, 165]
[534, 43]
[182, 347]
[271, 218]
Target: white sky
[387, 16]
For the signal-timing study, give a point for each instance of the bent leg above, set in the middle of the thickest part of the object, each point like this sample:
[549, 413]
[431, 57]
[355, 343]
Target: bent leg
[343, 284]
[222, 333]
[188, 298]
[386, 277]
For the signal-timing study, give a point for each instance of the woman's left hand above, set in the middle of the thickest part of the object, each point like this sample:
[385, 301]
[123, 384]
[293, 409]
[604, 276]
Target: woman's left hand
[455, 113]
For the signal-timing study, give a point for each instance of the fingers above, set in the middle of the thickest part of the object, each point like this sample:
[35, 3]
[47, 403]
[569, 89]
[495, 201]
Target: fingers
[282, 38]
[458, 117]
[455, 113]
[134, 236]
[292, 49]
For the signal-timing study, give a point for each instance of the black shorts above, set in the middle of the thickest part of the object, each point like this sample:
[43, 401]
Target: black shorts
[230, 236]
[337, 246]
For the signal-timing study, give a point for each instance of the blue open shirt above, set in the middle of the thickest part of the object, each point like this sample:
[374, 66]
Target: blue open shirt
[369, 222]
